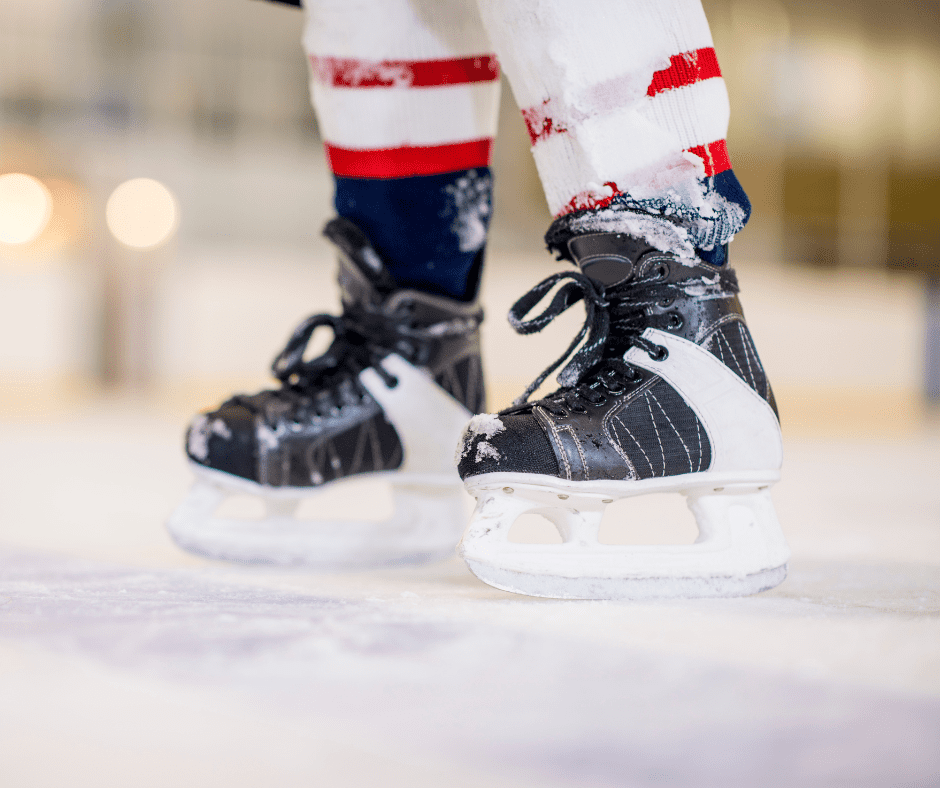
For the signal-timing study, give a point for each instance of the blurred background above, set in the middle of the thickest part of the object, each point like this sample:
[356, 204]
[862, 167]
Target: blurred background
[834, 125]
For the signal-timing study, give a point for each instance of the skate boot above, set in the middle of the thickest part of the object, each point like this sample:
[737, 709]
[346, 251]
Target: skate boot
[389, 399]
[666, 394]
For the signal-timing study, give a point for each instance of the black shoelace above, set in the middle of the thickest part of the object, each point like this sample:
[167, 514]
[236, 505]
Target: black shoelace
[614, 322]
[362, 339]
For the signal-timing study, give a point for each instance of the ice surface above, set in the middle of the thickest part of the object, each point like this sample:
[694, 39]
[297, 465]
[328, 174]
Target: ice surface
[125, 662]
[469, 683]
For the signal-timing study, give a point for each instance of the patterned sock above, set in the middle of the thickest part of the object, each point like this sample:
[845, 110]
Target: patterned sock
[627, 112]
[407, 97]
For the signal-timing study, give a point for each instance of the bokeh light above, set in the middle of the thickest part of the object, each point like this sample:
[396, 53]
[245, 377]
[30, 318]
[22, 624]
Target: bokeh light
[142, 213]
[25, 208]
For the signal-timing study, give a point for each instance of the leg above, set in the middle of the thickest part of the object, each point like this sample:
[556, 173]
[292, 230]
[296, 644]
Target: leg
[627, 113]
[407, 93]
[406, 96]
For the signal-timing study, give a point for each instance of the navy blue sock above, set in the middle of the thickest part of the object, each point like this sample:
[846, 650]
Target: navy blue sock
[727, 185]
[430, 230]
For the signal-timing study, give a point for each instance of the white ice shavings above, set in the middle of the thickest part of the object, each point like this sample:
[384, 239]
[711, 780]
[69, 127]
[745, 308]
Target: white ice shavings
[451, 327]
[200, 431]
[659, 233]
[706, 289]
[483, 424]
[485, 450]
[268, 438]
[486, 424]
[371, 258]
[198, 442]
[471, 196]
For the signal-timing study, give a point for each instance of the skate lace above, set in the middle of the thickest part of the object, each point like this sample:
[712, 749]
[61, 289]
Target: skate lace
[615, 319]
[323, 385]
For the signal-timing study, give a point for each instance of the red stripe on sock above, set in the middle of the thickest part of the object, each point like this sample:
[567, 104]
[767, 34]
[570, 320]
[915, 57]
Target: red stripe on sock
[586, 201]
[343, 72]
[408, 161]
[539, 122]
[685, 69]
[715, 156]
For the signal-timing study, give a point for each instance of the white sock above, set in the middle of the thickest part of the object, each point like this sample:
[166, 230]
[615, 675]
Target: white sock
[402, 87]
[623, 99]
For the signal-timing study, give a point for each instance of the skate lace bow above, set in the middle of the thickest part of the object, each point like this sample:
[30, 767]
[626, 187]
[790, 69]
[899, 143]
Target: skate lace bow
[350, 352]
[621, 308]
[363, 337]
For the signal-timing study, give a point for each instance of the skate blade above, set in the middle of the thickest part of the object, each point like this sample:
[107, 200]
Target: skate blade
[426, 525]
[740, 549]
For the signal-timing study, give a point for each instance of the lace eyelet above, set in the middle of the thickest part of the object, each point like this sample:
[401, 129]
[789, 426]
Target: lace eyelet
[667, 302]
[675, 321]
[660, 354]
[661, 271]
[393, 383]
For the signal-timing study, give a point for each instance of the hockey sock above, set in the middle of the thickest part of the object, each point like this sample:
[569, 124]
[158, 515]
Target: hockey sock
[407, 97]
[627, 112]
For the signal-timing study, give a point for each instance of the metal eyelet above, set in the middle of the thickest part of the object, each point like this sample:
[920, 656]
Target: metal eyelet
[661, 272]
[675, 321]
[667, 302]
[660, 354]
[393, 383]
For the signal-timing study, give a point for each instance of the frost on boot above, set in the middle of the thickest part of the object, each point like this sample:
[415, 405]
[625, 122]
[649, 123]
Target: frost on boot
[662, 391]
[389, 396]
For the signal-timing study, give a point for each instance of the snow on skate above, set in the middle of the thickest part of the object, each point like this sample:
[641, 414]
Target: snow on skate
[666, 394]
[387, 400]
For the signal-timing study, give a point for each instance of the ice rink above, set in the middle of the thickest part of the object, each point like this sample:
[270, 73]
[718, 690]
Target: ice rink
[127, 662]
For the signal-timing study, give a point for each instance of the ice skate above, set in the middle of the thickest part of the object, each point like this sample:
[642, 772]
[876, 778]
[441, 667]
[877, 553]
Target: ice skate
[389, 399]
[666, 394]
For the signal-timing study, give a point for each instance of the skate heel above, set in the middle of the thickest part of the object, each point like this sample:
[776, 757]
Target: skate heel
[426, 523]
[740, 549]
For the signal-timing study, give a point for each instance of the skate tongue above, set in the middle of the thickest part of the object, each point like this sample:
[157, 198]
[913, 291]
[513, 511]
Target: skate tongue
[608, 259]
[362, 274]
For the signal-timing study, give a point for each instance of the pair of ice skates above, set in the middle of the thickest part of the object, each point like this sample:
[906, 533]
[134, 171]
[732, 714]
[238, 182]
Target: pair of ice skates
[664, 394]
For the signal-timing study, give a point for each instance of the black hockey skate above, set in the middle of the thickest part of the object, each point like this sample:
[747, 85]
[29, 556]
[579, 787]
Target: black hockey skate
[389, 398]
[666, 394]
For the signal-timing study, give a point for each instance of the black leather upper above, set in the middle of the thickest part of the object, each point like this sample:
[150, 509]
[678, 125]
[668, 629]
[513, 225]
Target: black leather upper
[322, 424]
[632, 427]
